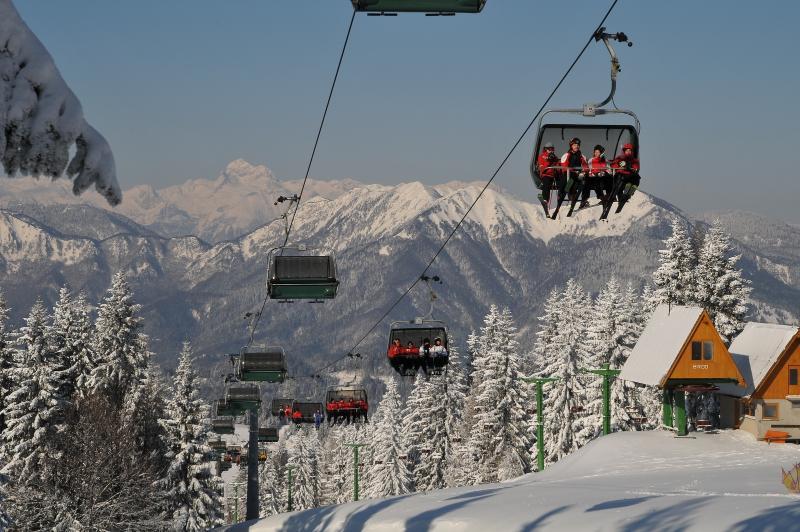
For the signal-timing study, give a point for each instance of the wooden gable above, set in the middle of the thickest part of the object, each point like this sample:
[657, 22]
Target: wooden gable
[717, 367]
[776, 384]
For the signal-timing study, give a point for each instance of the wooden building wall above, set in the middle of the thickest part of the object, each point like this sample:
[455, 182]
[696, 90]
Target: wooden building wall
[776, 384]
[721, 365]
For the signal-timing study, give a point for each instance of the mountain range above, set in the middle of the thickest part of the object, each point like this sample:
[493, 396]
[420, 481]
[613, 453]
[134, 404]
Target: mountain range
[196, 255]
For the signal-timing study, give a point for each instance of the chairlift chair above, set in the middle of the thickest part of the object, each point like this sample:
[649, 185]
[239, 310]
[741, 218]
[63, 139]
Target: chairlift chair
[243, 396]
[303, 411]
[218, 445]
[279, 405]
[429, 7]
[612, 135]
[222, 425]
[223, 408]
[296, 274]
[348, 402]
[406, 361]
[267, 435]
[262, 364]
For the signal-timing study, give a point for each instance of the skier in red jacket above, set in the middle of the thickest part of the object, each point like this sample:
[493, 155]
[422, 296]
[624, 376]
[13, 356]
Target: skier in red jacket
[626, 168]
[599, 177]
[550, 172]
[575, 166]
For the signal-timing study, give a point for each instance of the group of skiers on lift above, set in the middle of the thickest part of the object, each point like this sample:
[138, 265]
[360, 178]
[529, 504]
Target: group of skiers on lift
[425, 351]
[573, 170]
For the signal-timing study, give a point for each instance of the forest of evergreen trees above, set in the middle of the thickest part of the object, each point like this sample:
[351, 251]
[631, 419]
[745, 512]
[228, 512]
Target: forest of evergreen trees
[92, 437]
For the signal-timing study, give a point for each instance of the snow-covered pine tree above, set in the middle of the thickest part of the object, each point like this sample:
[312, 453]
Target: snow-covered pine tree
[389, 471]
[424, 432]
[499, 435]
[120, 347]
[456, 430]
[721, 287]
[34, 410]
[7, 359]
[674, 278]
[269, 489]
[303, 455]
[549, 323]
[565, 428]
[70, 340]
[192, 500]
[41, 119]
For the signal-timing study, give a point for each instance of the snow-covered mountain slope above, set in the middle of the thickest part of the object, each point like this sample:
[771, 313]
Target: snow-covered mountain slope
[240, 199]
[506, 253]
[626, 481]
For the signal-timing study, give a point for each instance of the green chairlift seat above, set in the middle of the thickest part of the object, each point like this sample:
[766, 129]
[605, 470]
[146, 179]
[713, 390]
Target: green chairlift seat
[301, 276]
[224, 409]
[262, 364]
[279, 404]
[267, 435]
[306, 411]
[243, 396]
[218, 445]
[435, 7]
[222, 425]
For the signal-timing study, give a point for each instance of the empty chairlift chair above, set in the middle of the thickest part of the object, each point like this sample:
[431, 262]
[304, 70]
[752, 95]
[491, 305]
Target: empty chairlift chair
[429, 7]
[411, 346]
[262, 364]
[303, 412]
[267, 435]
[346, 402]
[243, 396]
[293, 276]
[223, 408]
[222, 425]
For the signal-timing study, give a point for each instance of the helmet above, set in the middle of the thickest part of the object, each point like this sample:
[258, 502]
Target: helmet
[627, 146]
[600, 148]
[548, 145]
[575, 140]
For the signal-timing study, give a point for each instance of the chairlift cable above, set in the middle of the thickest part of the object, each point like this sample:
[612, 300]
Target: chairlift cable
[480, 194]
[319, 131]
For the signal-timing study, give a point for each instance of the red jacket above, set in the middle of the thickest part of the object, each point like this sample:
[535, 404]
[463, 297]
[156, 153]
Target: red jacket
[631, 164]
[597, 164]
[544, 162]
[574, 160]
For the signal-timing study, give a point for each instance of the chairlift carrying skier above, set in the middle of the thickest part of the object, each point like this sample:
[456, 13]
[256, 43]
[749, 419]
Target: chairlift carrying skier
[626, 169]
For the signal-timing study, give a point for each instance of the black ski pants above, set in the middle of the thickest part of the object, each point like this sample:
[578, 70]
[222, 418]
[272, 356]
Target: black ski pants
[560, 181]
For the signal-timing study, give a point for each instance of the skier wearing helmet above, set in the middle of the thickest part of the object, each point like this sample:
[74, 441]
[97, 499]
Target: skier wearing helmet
[550, 173]
[576, 168]
[599, 177]
[626, 168]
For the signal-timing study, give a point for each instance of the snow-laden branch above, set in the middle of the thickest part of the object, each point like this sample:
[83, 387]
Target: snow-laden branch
[41, 118]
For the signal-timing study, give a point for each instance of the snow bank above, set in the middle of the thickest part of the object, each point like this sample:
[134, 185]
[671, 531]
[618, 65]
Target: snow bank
[41, 118]
[626, 481]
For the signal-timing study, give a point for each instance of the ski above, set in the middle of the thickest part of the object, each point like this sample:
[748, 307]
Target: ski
[544, 206]
[610, 200]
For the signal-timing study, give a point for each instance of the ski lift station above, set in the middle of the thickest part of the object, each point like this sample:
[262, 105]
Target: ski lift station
[755, 379]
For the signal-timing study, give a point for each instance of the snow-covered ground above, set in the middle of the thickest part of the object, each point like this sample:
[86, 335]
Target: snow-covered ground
[625, 481]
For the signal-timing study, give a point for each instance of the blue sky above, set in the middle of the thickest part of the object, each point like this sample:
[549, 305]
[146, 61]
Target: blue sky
[182, 87]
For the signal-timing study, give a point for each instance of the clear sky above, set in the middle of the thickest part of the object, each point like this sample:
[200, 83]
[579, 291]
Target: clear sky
[181, 87]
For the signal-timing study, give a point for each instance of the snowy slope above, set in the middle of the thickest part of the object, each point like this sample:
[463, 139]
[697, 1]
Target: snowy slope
[626, 481]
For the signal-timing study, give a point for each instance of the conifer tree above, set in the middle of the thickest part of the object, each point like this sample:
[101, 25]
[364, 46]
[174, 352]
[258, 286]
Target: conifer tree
[303, 454]
[499, 436]
[565, 426]
[721, 287]
[193, 503]
[424, 432]
[120, 348]
[389, 471]
[269, 489]
[34, 409]
[7, 360]
[456, 430]
[674, 278]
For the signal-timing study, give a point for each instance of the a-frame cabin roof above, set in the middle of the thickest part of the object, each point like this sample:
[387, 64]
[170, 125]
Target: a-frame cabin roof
[660, 344]
[757, 349]
[680, 345]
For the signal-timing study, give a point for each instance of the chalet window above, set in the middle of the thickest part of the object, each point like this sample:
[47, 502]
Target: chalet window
[708, 350]
[793, 377]
[769, 411]
[697, 350]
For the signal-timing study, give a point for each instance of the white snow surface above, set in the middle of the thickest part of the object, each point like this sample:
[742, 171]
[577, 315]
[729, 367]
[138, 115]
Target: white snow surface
[41, 119]
[659, 344]
[755, 351]
[625, 481]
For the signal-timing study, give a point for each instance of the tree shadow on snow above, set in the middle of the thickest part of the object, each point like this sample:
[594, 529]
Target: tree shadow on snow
[422, 522]
[321, 518]
[542, 519]
[782, 518]
[675, 518]
[619, 503]
[474, 494]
